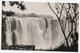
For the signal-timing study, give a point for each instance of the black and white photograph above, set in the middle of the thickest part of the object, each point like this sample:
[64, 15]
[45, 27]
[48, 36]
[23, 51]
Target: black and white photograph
[39, 26]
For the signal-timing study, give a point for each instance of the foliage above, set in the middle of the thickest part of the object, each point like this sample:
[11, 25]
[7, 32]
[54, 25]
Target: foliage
[12, 3]
[19, 5]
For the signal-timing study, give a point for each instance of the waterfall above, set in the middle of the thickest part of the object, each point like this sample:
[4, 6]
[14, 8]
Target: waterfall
[43, 33]
[28, 31]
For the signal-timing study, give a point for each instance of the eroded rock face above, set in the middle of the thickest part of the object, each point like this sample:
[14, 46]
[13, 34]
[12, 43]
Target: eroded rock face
[43, 33]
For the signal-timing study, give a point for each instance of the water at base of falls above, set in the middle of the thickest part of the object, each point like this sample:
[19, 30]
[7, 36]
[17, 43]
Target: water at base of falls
[29, 31]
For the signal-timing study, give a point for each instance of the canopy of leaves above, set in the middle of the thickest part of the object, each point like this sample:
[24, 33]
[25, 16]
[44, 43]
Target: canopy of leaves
[12, 3]
[19, 5]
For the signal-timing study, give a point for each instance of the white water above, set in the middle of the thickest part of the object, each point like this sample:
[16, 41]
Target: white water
[32, 31]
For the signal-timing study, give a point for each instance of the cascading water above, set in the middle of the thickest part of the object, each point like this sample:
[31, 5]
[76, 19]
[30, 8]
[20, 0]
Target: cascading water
[30, 31]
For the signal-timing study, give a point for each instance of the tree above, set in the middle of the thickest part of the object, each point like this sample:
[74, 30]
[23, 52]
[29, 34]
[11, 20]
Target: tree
[20, 5]
[72, 15]
[62, 10]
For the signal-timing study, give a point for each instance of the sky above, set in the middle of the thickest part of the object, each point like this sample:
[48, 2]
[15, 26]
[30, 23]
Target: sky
[32, 7]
